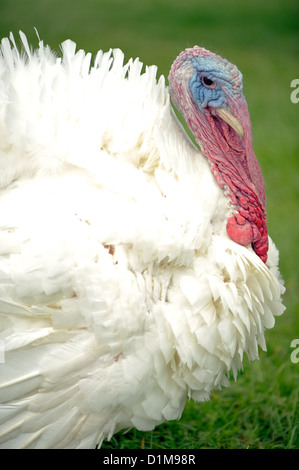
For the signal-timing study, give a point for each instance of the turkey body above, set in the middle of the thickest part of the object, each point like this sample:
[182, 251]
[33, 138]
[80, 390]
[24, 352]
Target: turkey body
[121, 294]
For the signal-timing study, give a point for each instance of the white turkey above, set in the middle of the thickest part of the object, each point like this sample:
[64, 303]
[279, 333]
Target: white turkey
[135, 269]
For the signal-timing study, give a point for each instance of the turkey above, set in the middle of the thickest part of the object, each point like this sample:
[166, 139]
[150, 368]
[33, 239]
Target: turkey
[135, 268]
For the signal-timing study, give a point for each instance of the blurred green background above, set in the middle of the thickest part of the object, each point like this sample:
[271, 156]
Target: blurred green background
[262, 39]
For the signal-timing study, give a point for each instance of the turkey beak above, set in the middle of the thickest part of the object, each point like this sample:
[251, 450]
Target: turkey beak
[227, 116]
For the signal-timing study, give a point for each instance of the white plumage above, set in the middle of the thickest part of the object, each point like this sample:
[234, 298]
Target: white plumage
[121, 294]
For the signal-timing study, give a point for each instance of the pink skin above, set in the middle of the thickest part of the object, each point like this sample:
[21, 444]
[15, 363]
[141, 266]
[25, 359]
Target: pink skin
[231, 157]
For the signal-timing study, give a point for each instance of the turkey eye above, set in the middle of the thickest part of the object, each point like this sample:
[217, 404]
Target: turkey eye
[208, 83]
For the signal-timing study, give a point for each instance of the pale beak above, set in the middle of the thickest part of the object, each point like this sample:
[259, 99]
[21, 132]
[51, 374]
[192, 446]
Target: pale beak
[227, 116]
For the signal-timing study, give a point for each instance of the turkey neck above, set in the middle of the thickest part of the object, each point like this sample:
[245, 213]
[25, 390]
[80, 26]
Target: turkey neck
[236, 169]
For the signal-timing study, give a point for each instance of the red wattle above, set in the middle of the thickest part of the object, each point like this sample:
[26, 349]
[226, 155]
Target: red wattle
[243, 232]
[239, 233]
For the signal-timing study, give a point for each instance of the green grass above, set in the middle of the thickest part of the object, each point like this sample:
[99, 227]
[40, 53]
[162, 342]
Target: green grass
[260, 410]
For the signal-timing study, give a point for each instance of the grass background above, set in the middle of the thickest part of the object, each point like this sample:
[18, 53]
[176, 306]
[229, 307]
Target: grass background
[260, 410]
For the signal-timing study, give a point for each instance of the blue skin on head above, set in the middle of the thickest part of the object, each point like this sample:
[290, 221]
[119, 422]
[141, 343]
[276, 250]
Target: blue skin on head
[215, 71]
